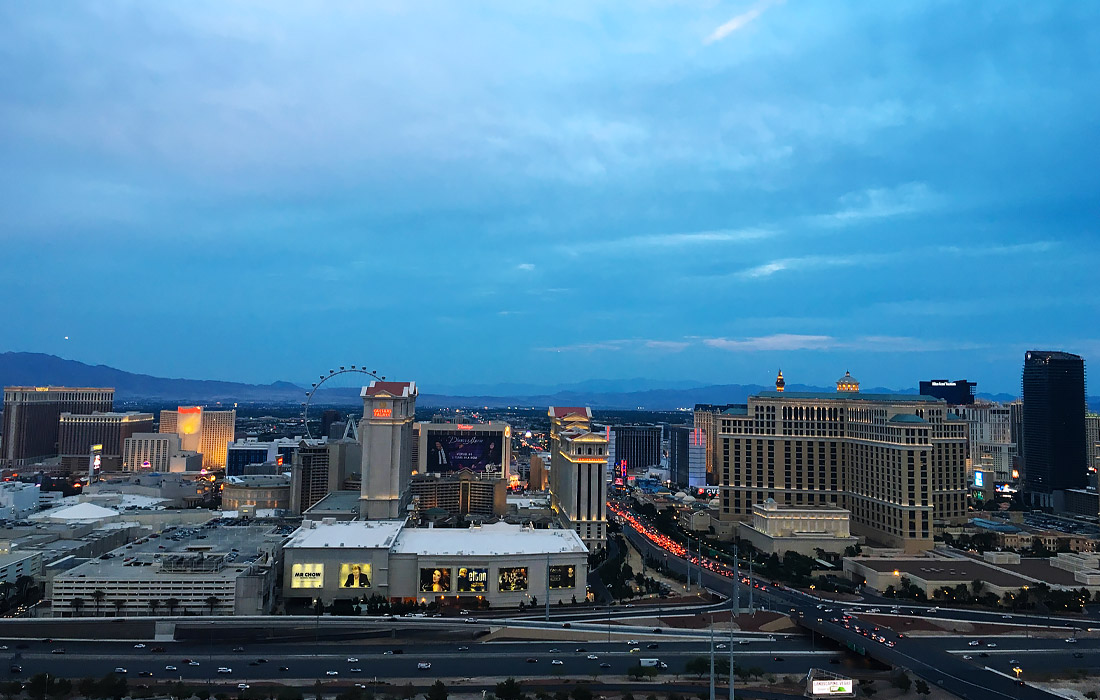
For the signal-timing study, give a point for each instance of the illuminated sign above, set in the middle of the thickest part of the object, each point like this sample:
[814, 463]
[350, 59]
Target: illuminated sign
[979, 480]
[355, 575]
[472, 580]
[307, 576]
[935, 383]
[835, 686]
[513, 578]
[279, 461]
[1015, 473]
[564, 576]
[461, 426]
[146, 464]
[383, 413]
[456, 451]
[435, 580]
[97, 448]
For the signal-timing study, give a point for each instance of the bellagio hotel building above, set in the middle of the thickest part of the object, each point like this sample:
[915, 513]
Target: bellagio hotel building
[897, 462]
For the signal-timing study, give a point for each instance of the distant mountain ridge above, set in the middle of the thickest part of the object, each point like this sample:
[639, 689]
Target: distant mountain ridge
[30, 369]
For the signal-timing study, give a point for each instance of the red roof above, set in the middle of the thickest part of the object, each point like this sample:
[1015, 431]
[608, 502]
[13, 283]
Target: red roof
[563, 411]
[391, 388]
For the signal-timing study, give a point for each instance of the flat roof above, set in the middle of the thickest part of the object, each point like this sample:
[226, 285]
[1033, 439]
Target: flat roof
[953, 571]
[359, 534]
[491, 539]
[141, 562]
[337, 501]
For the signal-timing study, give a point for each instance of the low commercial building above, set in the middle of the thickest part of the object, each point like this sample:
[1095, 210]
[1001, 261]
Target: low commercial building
[213, 570]
[462, 493]
[260, 491]
[498, 564]
[777, 529]
[18, 499]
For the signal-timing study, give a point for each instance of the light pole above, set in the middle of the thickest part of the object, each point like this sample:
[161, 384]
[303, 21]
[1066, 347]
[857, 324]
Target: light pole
[735, 612]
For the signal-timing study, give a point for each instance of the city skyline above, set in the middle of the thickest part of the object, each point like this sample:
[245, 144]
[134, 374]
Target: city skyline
[554, 193]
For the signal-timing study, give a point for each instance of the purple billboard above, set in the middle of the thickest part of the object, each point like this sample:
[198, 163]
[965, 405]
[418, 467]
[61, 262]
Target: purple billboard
[457, 451]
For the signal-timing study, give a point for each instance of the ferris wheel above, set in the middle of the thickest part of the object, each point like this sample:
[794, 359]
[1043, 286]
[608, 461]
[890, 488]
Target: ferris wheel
[321, 381]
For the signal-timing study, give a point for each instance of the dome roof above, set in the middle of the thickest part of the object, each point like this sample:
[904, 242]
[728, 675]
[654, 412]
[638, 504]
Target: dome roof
[680, 495]
[715, 502]
[848, 379]
[689, 499]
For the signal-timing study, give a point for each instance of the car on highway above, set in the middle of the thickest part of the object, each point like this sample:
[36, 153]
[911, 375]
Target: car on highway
[284, 668]
[242, 686]
[355, 670]
[720, 646]
[352, 660]
[557, 662]
[59, 650]
[974, 643]
[424, 665]
[967, 657]
[991, 644]
[332, 673]
[607, 665]
[635, 650]
[464, 648]
[139, 646]
[651, 646]
[592, 657]
[579, 650]
[238, 648]
[631, 642]
[1006, 617]
[1071, 640]
[532, 660]
[225, 669]
[169, 668]
[1078, 655]
[192, 663]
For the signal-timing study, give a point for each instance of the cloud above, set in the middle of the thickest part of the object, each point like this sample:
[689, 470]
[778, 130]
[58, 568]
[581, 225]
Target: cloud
[633, 244]
[812, 262]
[868, 343]
[740, 21]
[881, 203]
[778, 341]
[526, 267]
[623, 344]
[1013, 249]
[673, 345]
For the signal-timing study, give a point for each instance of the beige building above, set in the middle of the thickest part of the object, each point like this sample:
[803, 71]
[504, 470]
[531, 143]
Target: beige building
[896, 462]
[777, 529]
[77, 432]
[578, 474]
[206, 432]
[463, 493]
[386, 431]
[538, 477]
[262, 491]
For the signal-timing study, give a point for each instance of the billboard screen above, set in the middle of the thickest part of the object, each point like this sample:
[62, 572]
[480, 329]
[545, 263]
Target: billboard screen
[979, 480]
[472, 580]
[459, 450]
[564, 576]
[835, 686]
[355, 575]
[307, 576]
[436, 580]
[513, 578]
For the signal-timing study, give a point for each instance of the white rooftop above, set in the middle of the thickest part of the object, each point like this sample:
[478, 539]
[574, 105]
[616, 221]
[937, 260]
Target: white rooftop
[368, 534]
[79, 512]
[494, 538]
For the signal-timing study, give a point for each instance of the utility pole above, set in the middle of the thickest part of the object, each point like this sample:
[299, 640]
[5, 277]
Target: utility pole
[752, 610]
[548, 588]
[712, 658]
[736, 611]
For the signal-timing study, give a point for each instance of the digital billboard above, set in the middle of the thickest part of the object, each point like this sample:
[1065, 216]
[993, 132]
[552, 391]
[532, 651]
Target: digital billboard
[512, 579]
[355, 575]
[835, 686]
[307, 576]
[460, 450]
[436, 580]
[563, 576]
[979, 480]
[472, 580]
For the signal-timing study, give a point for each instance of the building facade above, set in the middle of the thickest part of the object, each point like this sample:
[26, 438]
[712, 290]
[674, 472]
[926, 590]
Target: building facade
[989, 438]
[206, 432]
[578, 474]
[386, 432]
[32, 414]
[706, 419]
[687, 463]
[897, 463]
[245, 452]
[1054, 424]
[77, 432]
[635, 446]
[460, 494]
[268, 491]
[956, 392]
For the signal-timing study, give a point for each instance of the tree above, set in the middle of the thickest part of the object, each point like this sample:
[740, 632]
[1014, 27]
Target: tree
[98, 596]
[903, 682]
[697, 665]
[119, 603]
[509, 689]
[922, 687]
[77, 604]
[211, 602]
[581, 692]
[976, 587]
[154, 604]
[172, 604]
[438, 691]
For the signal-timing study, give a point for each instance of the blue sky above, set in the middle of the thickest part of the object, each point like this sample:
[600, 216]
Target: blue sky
[552, 192]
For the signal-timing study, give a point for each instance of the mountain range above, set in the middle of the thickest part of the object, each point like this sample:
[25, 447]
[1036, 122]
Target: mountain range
[30, 369]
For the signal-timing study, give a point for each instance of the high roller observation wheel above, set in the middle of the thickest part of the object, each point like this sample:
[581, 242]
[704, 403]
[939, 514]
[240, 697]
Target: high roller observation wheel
[324, 378]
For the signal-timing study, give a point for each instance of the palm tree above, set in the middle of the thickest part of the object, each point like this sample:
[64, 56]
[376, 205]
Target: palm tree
[24, 583]
[119, 603]
[98, 596]
[172, 604]
[5, 589]
[212, 602]
[77, 605]
[154, 603]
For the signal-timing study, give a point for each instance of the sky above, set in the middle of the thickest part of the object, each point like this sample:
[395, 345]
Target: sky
[552, 192]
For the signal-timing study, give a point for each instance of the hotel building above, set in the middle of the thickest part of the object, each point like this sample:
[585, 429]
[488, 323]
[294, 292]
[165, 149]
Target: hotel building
[896, 462]
[207, 432]
[31, 415]
[578, 474]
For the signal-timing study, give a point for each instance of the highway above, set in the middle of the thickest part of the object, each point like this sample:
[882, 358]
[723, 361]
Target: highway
[925, 656]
